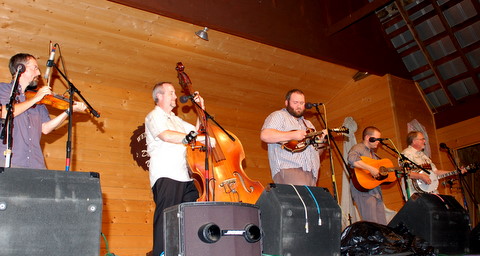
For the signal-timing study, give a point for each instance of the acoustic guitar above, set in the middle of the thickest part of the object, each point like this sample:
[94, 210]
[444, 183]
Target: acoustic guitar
[363, 180]
[422, 187]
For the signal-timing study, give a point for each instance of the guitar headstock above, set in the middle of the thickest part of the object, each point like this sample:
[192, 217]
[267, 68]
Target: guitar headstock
[472, 168]
[342, 129]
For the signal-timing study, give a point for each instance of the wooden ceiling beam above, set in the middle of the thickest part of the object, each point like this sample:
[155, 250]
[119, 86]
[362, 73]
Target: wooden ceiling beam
[357, 15]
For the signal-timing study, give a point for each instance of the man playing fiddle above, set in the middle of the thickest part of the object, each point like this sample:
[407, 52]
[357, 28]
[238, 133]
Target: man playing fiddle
[30, 119]
[297, 168]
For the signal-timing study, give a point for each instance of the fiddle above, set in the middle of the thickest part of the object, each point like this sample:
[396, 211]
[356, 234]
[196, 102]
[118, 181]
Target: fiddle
[54, 100]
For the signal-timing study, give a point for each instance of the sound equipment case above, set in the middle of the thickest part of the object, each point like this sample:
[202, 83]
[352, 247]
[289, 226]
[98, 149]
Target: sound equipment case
[212, 229]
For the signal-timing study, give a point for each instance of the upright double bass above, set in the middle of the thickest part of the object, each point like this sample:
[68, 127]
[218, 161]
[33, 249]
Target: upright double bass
[217, 171]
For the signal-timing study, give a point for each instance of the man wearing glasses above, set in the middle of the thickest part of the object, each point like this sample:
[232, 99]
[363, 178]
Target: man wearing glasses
[415, 152]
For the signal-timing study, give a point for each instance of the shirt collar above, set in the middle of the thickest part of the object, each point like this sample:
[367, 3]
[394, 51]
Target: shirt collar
[165, 113]
[415, 150]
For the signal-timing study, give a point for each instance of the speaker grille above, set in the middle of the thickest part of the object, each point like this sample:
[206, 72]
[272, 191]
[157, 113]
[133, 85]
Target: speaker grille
[283, 221]
[45, 212]
[439, 219]
[212, 229]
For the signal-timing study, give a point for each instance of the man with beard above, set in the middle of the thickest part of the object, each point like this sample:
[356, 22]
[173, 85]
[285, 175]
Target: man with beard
[287, 124]
[30, 119]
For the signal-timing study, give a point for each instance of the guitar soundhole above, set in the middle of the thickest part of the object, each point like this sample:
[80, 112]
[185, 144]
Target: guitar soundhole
[381, 177]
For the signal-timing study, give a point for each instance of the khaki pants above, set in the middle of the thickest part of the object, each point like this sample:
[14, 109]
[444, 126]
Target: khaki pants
[295, 176]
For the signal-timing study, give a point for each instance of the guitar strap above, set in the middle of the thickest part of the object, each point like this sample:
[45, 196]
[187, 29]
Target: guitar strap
[306, 126]
[374, 155]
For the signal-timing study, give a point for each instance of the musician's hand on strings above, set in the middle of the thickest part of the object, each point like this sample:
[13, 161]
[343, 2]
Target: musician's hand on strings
[324, 135]
[463, 170]
[201, 139]
[322, 138]
[198, 99]
[298, 134]
[425, 178]
[374, 172]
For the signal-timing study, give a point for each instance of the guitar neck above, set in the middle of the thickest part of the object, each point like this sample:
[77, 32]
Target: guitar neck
[447, 174]
[385, 170]
[312, 134]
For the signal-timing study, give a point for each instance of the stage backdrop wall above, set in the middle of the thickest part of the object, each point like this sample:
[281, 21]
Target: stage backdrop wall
[114, 54]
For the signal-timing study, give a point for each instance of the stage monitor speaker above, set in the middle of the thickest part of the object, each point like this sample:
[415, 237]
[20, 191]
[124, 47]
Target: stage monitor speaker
[45, 212]
[299, 220]
[439, 219]
[212, 229]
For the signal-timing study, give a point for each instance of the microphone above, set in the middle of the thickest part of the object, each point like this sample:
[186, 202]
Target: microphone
[373, 139]
[185, 98]
[20, 68]
[189, 137]
[309, 105]
[444, 146]
[50, 63]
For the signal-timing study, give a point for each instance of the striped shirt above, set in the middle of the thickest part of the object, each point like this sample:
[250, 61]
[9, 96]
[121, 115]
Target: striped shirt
[308, 160]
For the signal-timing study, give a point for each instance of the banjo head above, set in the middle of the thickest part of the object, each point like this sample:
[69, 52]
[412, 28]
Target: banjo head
[421, 186]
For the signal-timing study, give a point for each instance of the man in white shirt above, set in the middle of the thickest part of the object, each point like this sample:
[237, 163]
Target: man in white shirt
[415, 152]
[169, 172]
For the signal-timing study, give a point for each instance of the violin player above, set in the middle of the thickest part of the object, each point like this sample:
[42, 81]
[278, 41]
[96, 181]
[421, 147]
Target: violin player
[31, 120]
[297, 167]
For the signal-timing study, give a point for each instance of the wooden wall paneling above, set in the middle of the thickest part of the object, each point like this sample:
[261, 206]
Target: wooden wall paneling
[115, 54]
[408, 109]
[461, 134]
[369, 102]
[456, 136]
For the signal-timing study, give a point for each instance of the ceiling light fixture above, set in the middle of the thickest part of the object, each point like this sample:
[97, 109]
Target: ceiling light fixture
[202, 34]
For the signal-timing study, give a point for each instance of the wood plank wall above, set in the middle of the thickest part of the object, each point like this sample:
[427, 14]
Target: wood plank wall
[114, 54]
[457, 136]
[370, 103]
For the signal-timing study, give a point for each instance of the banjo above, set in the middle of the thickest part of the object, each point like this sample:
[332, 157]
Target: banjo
[422, 187]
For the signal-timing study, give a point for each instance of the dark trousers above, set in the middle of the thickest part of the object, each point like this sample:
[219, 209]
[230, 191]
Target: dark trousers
[166, 193]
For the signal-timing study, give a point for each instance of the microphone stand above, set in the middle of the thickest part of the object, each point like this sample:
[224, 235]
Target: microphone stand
[330, 139]
[208, 148]
[71, 90]
[403, 158]
[463, 183]
[7, 131]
